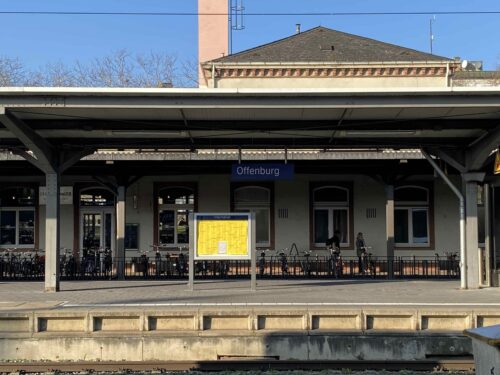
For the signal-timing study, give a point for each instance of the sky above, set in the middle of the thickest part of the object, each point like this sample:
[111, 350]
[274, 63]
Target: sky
[37, 40]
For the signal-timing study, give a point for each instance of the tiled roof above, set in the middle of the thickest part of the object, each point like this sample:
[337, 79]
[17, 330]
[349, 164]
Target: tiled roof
[324, 45]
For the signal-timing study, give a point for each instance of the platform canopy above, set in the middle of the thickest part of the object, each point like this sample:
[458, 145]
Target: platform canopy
[227, 118]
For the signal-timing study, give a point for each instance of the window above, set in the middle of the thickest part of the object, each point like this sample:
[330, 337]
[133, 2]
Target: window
[411, 216]
[97, 197]
[331, 213]
[132, 236]
[17, 217]
[257, 200]
[174, 204]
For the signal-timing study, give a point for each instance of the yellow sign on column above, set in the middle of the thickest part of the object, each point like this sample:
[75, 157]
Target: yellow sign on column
[496, 170]
[222, 236]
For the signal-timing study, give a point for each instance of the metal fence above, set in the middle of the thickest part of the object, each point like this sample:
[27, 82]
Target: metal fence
[20, 267]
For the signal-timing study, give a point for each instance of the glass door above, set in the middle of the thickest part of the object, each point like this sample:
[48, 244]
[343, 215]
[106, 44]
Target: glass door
[97, 229]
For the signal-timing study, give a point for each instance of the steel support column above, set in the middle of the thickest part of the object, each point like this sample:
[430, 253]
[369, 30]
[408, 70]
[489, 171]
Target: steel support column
[487, 234]
[52, 232]
[389, 225]
[119, 256]
[471, 229]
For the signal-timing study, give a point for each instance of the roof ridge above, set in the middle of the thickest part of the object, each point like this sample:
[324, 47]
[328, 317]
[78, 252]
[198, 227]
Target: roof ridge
[424, 56]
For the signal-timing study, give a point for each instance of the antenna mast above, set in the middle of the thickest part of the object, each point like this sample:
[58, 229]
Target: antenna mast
[236, 19]
[431, 33]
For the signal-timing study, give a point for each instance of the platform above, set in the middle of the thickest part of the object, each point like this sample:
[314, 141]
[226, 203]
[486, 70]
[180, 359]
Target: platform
[269, 292]
[304, 320]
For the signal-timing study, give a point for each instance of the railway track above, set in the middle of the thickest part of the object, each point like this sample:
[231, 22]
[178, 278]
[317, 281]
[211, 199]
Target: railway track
[452, 364]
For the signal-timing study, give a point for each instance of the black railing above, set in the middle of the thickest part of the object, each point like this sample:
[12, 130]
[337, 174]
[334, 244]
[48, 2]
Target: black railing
[19, 267]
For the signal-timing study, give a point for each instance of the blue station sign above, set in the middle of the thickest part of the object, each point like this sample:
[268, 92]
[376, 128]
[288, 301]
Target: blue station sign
[262, 172]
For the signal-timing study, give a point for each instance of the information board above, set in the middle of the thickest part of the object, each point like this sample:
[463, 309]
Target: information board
[65, 195]
[222, 236]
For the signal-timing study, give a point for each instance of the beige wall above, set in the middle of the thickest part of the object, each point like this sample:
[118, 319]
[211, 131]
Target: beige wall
[294, 83]
[214, 196]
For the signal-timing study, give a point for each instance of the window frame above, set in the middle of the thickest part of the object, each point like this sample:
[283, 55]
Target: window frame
[17, 211]
[157, 187]
[331, 206]
[266, 185]
[410, 206]
[34, 208]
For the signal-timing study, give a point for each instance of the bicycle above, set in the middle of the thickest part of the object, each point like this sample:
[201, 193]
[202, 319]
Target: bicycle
[306, 265]
[283, 263]
[335, 263]
[368, 262]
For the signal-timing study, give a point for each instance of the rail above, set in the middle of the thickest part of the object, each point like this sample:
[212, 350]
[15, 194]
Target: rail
[443, 364]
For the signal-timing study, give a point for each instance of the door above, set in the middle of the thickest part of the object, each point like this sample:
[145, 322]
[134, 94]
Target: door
[97, 230]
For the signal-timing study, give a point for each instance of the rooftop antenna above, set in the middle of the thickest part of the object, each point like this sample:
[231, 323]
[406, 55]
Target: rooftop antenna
[236, 19]
[431, 33]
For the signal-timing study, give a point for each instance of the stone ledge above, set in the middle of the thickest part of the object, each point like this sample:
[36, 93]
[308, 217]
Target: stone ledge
[249, 320]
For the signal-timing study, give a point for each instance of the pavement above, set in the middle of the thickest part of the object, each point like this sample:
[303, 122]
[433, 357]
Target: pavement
[19, 296]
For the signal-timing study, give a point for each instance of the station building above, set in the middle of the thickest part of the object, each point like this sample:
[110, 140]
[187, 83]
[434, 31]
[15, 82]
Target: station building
[319, 132]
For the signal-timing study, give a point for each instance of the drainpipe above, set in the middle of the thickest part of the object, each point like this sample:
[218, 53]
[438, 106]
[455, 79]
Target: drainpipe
[213, 76]
[458, 193]
[448, 81]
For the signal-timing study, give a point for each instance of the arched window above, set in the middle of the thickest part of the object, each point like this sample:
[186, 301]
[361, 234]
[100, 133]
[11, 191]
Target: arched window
[175, 203]
[256, 199]
[17, 217]
[411, 216]
[331, 214]
[96, 197]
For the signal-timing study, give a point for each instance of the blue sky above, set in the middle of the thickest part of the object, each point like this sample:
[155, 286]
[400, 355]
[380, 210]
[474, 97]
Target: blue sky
[38, 40]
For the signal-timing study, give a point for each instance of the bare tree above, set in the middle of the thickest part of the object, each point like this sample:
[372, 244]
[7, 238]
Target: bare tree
[12, 72]
[189, 73]
[156, 70]
[118, 69]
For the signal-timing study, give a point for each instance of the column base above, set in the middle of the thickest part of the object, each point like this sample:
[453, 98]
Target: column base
[51, 289]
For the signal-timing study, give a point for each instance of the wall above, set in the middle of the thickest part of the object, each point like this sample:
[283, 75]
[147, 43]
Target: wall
[214, 196]
[294, 83]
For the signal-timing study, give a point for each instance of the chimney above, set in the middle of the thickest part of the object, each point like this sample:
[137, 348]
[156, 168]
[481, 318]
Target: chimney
[213, 33]
[297, 28]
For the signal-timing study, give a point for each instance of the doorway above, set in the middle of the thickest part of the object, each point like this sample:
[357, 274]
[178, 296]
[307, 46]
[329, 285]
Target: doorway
[97, 228]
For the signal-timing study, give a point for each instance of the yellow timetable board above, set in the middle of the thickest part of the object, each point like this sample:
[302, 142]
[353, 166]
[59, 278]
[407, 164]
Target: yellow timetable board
[222, 236]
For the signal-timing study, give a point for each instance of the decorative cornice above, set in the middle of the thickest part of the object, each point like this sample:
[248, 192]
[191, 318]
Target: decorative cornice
[329, 72]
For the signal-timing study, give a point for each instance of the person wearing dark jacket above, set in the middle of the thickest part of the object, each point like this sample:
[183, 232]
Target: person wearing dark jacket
[334, 241]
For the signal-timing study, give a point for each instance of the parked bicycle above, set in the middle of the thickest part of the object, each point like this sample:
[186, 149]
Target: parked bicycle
[335, 263]
[306, 264]
[283, 263]
[368, 262]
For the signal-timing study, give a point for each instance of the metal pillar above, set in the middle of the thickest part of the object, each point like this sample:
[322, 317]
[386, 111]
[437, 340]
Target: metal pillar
[119, 256]
[487, 234]
[389, 225]
[458, 193]
[191, 253]
[253, 257]
[52, 233]
[471, 225]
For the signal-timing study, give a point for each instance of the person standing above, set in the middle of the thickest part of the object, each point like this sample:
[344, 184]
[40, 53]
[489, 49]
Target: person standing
[360, 251]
